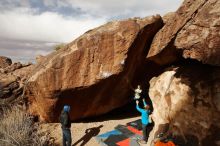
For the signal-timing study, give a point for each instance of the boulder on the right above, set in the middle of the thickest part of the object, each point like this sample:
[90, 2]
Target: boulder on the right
[200, 37]
[186, 100]
[193, 31]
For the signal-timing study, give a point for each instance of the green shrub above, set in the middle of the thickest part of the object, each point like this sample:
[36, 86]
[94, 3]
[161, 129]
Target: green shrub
[59, 46]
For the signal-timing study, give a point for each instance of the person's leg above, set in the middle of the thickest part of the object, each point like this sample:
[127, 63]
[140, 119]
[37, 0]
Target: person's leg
[64, 137]
[144, 129]
[68, 137]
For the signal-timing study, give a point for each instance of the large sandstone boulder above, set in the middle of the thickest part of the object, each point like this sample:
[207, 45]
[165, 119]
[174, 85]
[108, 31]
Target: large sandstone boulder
[187, 99]
[93, 73]
[191, 32]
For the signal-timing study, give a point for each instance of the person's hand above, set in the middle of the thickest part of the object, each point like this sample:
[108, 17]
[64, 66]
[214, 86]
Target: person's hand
[143, 100]
[137, 101]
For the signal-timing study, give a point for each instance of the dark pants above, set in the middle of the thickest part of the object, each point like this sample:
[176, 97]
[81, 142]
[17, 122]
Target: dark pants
[145, 132]
[67, 140]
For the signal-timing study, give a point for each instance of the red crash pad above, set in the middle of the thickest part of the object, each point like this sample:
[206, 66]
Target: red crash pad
[125, 142]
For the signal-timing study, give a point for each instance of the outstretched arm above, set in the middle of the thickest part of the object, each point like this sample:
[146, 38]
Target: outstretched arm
[145, 104]
[137, 107]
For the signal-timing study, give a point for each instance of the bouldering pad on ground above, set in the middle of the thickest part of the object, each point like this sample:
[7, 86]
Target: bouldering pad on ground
[123, 135]
[123, 129]
[136, 124]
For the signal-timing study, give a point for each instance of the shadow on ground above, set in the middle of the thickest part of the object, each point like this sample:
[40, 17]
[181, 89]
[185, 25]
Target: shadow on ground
[89, 133]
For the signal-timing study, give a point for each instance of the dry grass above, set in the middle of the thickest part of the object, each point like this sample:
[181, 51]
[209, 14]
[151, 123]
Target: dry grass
[17, 128]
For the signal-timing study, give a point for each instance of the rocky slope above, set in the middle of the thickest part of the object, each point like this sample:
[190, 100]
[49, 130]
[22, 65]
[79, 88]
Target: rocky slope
[5, 61]
[12, 79]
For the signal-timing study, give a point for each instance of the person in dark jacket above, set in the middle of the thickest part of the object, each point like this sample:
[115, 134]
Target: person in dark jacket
[144, 119]
[66, 125]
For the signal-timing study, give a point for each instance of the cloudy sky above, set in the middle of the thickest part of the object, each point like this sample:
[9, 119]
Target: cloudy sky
[32, 27]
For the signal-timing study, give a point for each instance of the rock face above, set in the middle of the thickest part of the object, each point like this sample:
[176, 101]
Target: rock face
[39, 58]
[200, 37]
[192, 32]
[12, 80]
[4, 62]
[188, 100]
[12, 67]
[9, 88]
[168, 17]
[93, 73]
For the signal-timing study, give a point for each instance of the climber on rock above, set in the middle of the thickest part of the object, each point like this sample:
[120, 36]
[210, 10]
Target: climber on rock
[66, 125]
[144, 119]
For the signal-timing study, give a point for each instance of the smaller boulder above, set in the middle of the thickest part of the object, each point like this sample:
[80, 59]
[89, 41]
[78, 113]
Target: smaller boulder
[39, 58]
[5, 62]
[13, 67]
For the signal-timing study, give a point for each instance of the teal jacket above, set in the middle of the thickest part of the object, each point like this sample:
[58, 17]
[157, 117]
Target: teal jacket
[144, 114]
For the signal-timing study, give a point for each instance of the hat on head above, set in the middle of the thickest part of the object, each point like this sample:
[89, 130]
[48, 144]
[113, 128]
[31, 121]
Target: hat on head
[66, 108]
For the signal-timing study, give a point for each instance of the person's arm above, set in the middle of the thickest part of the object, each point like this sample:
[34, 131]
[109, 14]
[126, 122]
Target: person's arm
[62, 117]
[137, 107]
[65, 119]
[145, 104]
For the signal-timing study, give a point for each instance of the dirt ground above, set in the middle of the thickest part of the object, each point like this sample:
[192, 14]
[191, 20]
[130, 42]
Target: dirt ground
[79, 137]
[98, 125]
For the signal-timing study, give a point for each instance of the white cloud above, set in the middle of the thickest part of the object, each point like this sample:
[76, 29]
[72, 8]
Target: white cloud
[34, 26]
[25, 51]
[23, 24]
[26, 24]
[129, 8]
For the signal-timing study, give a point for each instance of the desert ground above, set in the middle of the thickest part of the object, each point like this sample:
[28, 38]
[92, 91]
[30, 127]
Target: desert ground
[99, 125]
